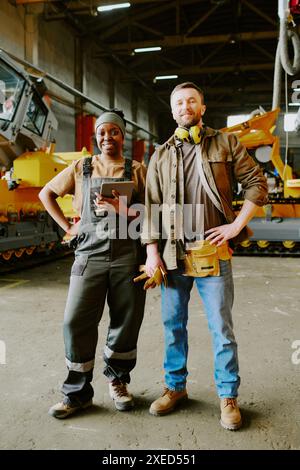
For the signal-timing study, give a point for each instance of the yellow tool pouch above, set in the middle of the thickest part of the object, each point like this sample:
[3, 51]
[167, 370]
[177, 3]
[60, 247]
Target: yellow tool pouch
[202, 259]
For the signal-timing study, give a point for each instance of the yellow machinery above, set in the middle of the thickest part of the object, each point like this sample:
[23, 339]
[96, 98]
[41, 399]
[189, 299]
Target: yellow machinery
[276, 226]
[27, 163]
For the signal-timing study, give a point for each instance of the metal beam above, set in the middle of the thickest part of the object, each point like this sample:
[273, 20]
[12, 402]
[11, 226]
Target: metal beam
[112, 89]
[137, 61]
[170, 61]
[217, 79]
[71, 90]
[79, 66]
[94, 3]
[31, 2]
[31, 35]
[138, 17]
[201, 19]
[213, 52]
[197, 70]
[259, 12]
[180, 40]
[230, 90]
[146, 13]
[141, 2]
[79, 27]
[177, 17]
[267, 78]
[262, 50]
[133, 74]
[89, 7]
[147, 29]
[242, 103]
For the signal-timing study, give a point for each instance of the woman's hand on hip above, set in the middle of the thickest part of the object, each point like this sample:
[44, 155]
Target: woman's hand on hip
[73, 229]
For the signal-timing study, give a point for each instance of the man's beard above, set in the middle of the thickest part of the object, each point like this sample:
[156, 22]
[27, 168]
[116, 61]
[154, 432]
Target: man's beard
[189, 123]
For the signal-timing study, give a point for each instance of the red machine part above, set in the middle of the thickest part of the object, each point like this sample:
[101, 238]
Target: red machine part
[85, 132]
[138, 150]
[294, 7]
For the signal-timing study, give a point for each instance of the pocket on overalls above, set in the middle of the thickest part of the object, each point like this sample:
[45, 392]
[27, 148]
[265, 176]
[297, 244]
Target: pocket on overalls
[79, 265]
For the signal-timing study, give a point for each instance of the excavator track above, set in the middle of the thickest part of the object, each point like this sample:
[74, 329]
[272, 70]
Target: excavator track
[26, 258]
[266, 248]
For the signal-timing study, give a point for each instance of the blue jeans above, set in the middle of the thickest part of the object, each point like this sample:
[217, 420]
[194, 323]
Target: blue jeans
[217, 296]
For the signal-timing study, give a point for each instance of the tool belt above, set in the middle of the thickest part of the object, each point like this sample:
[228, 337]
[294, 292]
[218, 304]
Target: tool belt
[202, 259]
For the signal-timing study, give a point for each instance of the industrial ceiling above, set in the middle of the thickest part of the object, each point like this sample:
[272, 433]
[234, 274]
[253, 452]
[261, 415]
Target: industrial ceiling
[226, 46]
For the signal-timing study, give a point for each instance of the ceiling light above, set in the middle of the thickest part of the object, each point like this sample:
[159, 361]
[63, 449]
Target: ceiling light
[294, 104]
[147, 49]
[115, 6]
[296, 89]
[165, 77]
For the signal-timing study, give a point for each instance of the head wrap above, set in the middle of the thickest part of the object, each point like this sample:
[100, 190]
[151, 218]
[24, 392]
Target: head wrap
[113, 118]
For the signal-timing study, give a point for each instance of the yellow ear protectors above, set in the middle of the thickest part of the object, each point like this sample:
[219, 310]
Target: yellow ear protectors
[182, 133]
[193, 134]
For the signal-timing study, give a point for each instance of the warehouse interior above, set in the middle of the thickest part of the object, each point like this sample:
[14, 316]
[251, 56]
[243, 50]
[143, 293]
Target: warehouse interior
[63, 62]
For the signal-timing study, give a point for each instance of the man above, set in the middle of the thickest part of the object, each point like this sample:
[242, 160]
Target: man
[194, 169]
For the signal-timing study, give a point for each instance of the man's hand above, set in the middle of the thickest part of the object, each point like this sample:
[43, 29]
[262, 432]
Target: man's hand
[218, 235]
[153, 260]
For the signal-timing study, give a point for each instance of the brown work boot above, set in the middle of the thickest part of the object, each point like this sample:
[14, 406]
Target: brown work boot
[62, 409]
[230, 414]
[167, 402]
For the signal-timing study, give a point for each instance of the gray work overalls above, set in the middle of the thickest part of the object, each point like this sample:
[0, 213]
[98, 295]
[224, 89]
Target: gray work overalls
[103, 269]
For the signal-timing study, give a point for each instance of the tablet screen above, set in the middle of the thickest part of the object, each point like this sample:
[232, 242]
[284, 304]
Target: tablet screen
[124, 188]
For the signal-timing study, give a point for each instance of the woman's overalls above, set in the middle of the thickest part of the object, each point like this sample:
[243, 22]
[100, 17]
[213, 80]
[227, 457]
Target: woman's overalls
[104, 268]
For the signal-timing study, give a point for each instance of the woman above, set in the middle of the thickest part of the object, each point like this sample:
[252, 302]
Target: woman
[104, 268]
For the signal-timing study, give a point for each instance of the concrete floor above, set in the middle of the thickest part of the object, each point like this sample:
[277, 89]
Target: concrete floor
[267, 322]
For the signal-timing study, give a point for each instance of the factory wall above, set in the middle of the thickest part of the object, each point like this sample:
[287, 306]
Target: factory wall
[56, 57]
[12, 28]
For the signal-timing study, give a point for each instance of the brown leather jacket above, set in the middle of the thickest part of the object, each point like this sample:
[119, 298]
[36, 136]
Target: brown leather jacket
[224, 160]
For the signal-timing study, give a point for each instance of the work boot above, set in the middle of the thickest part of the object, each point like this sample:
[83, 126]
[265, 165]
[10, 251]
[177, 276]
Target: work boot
[167, 402]
[63, 410]
[230, 414]
[122, 398]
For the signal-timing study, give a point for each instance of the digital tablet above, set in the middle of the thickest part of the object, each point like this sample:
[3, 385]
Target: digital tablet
[124, 188]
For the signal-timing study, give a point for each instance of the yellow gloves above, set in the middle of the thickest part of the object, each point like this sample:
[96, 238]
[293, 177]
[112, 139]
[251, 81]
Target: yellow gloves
[158, 277]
